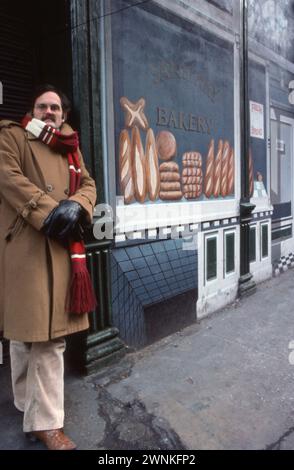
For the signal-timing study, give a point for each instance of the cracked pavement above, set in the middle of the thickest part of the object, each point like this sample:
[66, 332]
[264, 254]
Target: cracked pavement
[223, 383]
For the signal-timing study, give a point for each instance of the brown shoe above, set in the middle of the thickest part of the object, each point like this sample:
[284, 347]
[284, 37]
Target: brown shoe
[54, 439]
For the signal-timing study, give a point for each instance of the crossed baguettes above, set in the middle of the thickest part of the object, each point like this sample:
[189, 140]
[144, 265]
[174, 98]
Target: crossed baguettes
[139, 165]
[231, 172]
[224, 170]
[125, 167]
[209, 174]
[152, 170]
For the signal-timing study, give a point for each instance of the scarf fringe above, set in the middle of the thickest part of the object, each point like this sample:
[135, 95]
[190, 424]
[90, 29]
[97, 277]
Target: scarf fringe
[82, 298]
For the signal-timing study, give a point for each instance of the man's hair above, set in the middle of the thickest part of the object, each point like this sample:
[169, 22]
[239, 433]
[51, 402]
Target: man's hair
[41, 89]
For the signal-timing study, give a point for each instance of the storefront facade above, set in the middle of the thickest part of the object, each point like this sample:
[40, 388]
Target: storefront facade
[194, 205]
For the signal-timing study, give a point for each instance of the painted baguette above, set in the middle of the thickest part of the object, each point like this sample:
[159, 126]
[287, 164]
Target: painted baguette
[231, 172]
[209, 174]
[125, 167]
[217, 170]
[139, 165]
[152, 170]
[224, 172]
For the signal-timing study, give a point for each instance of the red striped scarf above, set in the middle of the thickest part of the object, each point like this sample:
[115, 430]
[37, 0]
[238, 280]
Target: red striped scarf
[81, 294]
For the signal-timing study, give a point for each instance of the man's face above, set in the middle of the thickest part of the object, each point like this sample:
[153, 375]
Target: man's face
[48, 108]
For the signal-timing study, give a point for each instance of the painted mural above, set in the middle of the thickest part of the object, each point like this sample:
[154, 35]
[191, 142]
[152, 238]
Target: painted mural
[151, 172]
[174, 110]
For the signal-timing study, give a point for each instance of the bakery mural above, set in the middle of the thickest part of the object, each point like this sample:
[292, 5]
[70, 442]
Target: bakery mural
[173, 107]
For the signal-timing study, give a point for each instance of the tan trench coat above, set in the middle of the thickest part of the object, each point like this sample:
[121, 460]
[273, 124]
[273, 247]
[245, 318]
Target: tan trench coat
[35, 271]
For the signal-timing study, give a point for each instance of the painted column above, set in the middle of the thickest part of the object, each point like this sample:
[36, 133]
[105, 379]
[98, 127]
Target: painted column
[101, 344]
[246, 284]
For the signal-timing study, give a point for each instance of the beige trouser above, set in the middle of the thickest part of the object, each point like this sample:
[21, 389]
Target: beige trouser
[37, 372]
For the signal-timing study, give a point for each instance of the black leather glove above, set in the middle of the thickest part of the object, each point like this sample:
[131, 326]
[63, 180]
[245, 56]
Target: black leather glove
[63, 222]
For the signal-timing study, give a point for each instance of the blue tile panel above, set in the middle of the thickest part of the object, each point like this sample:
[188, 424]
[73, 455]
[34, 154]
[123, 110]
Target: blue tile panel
[146, 274]
[163, 260]
[127, 309]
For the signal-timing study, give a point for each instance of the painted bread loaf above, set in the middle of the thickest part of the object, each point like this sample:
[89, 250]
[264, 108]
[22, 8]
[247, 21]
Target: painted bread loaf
[170, 187]
[192, 175]
[152, 170]
[231, 172]
[209, 174]
[166, 145]
[169, 176]
[134, 113]
[192, 159]
[192, 171]
[217, 170]
[139, 165]
[169, 166]
[224, 170]
[170, 195]
[125, 167]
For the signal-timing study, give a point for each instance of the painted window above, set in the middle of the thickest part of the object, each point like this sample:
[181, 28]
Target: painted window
[252, 244]
[264, 240]
[229, 252]
[211, 257]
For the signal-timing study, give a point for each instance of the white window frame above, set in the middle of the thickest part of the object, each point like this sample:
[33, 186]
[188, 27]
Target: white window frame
[230, 273]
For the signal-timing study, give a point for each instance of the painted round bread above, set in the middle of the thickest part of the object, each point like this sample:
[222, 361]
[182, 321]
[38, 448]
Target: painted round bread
[166, 145]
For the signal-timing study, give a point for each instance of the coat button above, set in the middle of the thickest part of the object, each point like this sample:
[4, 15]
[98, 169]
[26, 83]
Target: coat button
[49, 188]
[66, 191]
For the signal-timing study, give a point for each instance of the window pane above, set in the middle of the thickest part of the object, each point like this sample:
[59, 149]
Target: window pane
[230, 252]
[264, 241]
[252, 244]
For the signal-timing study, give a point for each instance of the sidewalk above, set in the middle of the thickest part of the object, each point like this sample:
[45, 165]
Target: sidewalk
[225, 383]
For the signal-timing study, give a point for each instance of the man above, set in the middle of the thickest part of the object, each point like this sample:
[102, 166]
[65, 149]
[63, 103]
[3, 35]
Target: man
[46, 197]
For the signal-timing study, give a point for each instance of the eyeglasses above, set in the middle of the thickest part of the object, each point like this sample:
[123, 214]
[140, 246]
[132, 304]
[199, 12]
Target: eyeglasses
[44, 107]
